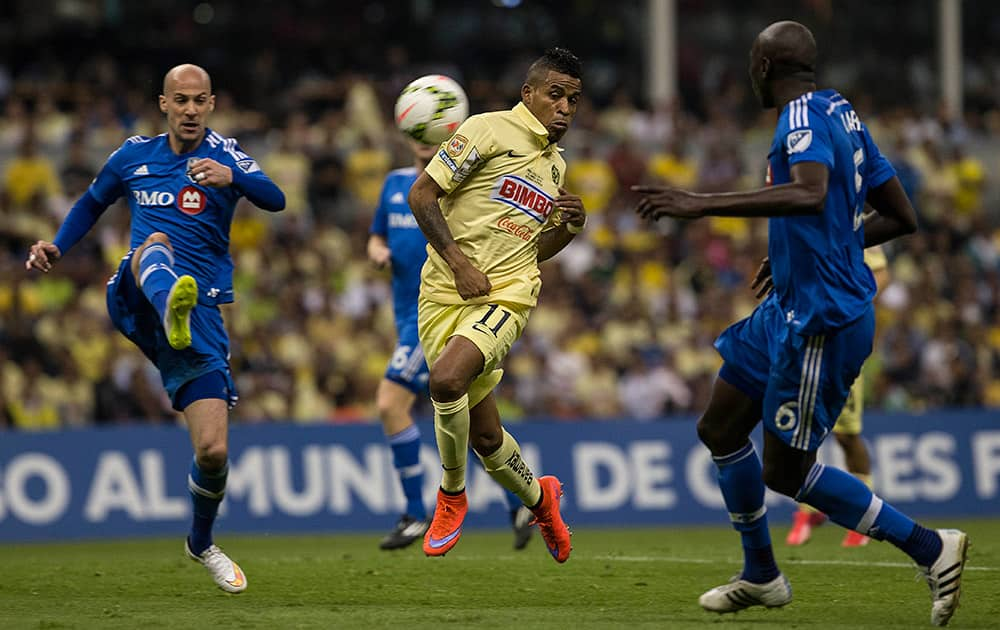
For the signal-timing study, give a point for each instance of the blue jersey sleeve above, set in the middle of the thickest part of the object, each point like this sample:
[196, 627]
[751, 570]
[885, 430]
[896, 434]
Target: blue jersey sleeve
[380, 222]
[250, 181]
[804, 135]
[107, 187]
[879, 169]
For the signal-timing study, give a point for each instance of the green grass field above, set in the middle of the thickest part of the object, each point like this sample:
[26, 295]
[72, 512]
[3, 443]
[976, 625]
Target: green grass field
[647, 578]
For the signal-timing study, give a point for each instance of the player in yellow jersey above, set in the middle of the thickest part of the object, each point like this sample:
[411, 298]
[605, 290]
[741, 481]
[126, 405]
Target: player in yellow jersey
[492, 206]
[847, 430]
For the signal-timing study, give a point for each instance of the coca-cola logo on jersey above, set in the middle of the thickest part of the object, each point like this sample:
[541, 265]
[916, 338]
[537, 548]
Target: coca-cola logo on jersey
[191, 200]
[510, 226]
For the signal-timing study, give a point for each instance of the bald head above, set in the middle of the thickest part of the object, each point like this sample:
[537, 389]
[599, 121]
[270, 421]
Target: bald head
[785, 53]
[188, 75]
[788, 42]
[187, 100]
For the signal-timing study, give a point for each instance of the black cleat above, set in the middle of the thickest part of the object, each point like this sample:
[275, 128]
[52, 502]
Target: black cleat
[520, 520]
[407, 530]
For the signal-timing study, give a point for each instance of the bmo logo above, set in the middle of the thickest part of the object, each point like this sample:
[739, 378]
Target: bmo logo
[523, 195]
[191, 200]
[153, 198]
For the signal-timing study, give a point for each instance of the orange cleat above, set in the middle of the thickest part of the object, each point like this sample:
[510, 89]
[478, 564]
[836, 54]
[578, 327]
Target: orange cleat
[802, 527]
[550, 522]
[446, 527]
[854, 539]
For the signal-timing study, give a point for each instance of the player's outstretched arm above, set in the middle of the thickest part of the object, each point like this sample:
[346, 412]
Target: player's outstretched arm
[82, 216]
[894, 215]
[423, 199]
[572, 216]
[805, 194]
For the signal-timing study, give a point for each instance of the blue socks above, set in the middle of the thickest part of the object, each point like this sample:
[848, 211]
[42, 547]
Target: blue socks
[742, 484]
[405, 447]
[851, 504]
[156, 275]
[207, 490]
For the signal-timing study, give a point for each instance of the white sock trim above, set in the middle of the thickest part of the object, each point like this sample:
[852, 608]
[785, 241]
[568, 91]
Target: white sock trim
[868, 520]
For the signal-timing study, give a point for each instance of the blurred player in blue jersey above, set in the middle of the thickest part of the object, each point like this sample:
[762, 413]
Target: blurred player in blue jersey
[396, 241]
[792, 362]
[182, 188]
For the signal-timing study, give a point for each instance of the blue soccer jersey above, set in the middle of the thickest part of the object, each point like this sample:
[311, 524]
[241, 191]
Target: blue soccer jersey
[395, 223]
[817, 262]
[164, 198]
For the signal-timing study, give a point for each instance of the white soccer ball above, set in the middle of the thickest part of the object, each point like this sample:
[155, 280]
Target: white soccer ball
[431, 108]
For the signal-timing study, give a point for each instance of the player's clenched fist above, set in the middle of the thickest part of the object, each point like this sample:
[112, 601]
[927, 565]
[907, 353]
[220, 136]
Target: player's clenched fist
[208, 172]
[41, 256]
[471, 283]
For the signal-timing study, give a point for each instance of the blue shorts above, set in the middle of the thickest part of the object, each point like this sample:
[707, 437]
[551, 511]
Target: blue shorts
[135, 317]
[408, 366]
[802, 381]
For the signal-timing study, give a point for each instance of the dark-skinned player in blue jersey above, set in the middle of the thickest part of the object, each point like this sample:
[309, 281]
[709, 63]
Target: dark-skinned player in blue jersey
[791, 363]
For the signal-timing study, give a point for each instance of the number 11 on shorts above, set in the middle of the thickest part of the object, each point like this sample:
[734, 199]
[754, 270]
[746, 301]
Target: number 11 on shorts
[484, 322]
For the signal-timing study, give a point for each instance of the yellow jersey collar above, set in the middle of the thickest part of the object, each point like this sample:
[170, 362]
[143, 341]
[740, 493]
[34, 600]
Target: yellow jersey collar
[534, 125]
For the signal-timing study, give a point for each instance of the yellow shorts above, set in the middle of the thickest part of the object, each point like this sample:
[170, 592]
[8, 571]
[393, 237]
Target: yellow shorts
[849, 422]
[493, 328]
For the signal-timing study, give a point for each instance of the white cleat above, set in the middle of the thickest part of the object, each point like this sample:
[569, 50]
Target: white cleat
[945, 575]
[740, 594]
[227, 574]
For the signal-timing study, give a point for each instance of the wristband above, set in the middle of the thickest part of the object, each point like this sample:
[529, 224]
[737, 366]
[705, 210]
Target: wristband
[576, 229]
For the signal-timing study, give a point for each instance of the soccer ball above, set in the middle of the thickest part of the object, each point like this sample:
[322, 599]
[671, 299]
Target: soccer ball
[431, 108]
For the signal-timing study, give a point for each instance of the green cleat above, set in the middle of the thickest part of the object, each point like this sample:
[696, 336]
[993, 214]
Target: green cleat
[177, 318]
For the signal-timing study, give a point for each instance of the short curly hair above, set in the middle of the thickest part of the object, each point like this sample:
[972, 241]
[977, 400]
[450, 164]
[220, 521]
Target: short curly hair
[560, 60]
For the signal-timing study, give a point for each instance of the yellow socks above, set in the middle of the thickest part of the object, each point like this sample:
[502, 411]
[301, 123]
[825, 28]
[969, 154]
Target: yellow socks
[510, 471]
[451, 426]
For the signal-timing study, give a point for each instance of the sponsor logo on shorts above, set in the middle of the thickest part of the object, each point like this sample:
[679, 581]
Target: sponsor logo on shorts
[521, 194]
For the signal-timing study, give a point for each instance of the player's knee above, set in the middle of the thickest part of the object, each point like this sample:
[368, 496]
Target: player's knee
[782, 479]
[713, 434]
[157, 237]
[446, 385]
[212, 457]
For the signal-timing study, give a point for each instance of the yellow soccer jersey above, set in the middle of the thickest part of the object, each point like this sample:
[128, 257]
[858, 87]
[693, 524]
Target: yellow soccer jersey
[501, 175]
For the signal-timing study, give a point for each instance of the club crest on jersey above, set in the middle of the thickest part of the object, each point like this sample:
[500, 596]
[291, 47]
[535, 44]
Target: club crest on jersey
[521, 194]
[457, 145]
[799, 141]
[191, 200]
[555, 175]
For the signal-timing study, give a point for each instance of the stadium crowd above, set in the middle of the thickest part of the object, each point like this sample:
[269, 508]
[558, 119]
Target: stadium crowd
[628, 312]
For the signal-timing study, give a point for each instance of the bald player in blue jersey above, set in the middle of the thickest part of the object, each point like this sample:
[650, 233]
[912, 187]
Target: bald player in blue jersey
[395, 241]
[793, 360]
[182, 188]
